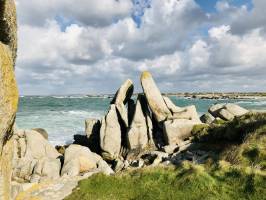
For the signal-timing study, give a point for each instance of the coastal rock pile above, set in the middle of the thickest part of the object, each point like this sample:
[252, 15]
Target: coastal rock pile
[148, 130]
[153, 121]
[225, 112]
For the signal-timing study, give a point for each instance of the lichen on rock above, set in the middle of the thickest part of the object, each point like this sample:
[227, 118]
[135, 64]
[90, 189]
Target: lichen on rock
[8, 26]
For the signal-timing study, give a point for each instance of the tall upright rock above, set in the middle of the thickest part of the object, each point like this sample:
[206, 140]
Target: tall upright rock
[110, 135]
[154, 97]
[8, 92]
[138, 131]
[121, 98]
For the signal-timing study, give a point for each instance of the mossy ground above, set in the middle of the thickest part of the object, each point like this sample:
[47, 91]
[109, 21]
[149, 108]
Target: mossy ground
[237, 171]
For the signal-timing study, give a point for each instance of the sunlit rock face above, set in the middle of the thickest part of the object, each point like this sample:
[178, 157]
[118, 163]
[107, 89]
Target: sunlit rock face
[8, 92]
[8, 26]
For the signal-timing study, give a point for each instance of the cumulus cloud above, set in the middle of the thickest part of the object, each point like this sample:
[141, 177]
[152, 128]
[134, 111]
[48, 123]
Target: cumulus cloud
[87, 12]
[68, 47]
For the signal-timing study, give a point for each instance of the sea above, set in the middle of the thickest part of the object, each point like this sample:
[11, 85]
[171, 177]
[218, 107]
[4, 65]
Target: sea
[64, 116]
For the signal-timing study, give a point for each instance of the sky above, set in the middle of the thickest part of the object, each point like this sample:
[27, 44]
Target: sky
[92, 46]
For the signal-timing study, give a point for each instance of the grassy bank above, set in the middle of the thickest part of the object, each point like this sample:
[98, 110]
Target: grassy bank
[236, 171]
[184, 182]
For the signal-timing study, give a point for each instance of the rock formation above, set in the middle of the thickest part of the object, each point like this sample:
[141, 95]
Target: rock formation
[149, 132]
[110, 135]
[34, 158]
[227, 112]
[138, 136]
[92, 131]
[154, 97]
[8, 92]
[80, 159]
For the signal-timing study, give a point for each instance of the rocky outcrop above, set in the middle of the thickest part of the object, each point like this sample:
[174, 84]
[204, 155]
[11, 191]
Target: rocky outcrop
[79, 159]
[34, 158]
[155, 99]
[110, 135]
[8, 93]
[179, 125]
[138, 136]
[177, 130]
[227, 111]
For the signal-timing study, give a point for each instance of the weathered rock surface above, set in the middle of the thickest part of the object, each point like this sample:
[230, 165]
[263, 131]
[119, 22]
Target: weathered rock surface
[42, 131]
[236, 110]
[38, 147]
[110, 135]
[8, 26]
[225, 114]
[171, 106]
[138, 131]
[175, 131]
[8, 92]
[35, 159]
[79, 159]
[92, 127]
[155, 99]
[46, 169]
[207, 118]
[215, 108]
[227, 111]
[124, 93]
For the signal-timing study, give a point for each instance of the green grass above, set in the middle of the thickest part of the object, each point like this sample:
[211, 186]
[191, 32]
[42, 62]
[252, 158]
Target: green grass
[240, 142]
[237, 171]
[185, 182]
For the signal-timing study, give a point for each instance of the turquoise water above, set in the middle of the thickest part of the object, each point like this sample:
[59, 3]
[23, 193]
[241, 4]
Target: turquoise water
[63, 116]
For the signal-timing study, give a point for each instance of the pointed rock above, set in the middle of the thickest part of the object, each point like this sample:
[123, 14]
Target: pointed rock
[154, 97]
[110, 135]
[124, 93]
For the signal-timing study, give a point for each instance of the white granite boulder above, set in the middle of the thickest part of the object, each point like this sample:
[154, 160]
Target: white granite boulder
[110, 135]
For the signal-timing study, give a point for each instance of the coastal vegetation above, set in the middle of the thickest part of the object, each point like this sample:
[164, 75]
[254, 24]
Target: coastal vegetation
[236, 169]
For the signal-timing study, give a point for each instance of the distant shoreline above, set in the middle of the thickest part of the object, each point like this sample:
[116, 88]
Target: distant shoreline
[193, 95]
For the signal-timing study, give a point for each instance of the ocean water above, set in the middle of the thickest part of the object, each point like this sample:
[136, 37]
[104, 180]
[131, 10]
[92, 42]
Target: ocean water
[64, 116]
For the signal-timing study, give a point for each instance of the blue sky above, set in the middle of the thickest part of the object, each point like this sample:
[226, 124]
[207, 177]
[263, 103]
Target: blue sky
[209, 5]
[92, 46]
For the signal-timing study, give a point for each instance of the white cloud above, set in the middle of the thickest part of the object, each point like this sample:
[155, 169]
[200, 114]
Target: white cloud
[102, 46]
[88, 12]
